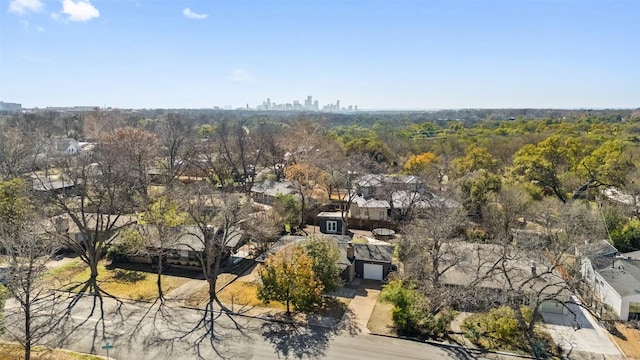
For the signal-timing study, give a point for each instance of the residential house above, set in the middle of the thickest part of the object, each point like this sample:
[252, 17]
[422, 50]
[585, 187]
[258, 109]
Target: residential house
[185, 249]
[370, 185]
[471, 268]
[369, 209]
[267, 191]
[380, 209]
[60, 187]
[66, 146]
[92, 224]
[614, 278]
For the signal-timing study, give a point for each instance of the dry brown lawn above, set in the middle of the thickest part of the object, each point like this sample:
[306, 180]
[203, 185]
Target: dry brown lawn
[245, 294]
[13, 351]
[122, 283]
[380, 321]
[630, 346]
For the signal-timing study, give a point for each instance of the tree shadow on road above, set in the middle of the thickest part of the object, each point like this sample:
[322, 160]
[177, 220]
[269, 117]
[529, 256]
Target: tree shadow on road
[300, 340]
[213, 332]
[462, 353]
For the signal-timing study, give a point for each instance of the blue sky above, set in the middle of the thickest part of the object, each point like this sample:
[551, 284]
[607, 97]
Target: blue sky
[374, 54]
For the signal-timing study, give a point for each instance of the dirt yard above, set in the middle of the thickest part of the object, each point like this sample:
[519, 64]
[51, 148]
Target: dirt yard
[631, 344]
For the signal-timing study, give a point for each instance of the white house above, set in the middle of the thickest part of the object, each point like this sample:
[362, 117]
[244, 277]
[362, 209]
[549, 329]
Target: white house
[615, 279]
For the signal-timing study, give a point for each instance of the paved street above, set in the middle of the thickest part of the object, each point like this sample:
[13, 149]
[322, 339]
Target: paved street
[179, 333]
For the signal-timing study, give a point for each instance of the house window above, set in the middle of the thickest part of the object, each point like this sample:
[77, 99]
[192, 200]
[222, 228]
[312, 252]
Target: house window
[332, 226]
[634, 311]
[382, 212]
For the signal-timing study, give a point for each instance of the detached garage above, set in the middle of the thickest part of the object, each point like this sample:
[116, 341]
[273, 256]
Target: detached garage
[373, 261]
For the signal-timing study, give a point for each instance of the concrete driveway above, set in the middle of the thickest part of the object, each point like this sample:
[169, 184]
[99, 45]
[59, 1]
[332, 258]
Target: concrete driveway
[362, 304]
[580, 334]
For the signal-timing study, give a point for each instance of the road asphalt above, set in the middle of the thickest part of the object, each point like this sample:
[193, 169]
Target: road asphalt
[138, 331]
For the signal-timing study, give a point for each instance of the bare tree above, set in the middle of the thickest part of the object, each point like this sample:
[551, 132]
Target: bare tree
[304, 177]
[18, 152]
[242, 149]
[28, 248]
[540, 269]
[178, 141]
[340, 175]
[129, 153]
[274, 153]
[27, 255]
[503, 214]
[211, 164]
[162, 233]
[217, 217]
[263, 229]
[102, 196]
[427, 246]
[98, 122]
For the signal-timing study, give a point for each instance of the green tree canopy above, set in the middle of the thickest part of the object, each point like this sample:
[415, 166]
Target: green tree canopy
[14, 204]
[475, 158]
[324, 254]
[545, 161]
[608, 164]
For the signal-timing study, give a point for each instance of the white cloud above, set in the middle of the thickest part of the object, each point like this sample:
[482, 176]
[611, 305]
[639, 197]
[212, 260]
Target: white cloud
[24, 6]
[80, 10]
[193, 15]
[27, 26]
[241, 75]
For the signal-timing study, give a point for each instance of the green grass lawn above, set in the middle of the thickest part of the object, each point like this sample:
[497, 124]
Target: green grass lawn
[11, 351]
[122, 283]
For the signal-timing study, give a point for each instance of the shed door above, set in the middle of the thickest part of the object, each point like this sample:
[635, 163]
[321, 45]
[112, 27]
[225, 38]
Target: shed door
[372, 271]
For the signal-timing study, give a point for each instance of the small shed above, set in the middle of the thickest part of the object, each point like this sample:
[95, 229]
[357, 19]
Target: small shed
[330, 222]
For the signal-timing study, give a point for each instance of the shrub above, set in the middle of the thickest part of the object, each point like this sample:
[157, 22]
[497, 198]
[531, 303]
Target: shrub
[410, 314]
[497, 327]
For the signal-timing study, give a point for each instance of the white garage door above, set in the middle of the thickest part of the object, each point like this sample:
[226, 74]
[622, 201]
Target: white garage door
[372, 271]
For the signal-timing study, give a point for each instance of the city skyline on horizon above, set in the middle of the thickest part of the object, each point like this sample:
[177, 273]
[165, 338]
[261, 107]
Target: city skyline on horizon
[378, 55]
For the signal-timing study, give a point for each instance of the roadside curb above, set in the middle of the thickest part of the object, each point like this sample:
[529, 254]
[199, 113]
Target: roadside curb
[454, 346]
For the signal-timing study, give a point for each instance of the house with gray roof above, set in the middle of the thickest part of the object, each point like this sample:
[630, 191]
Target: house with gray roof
[185, 247]
[615, 279]
[267, 191]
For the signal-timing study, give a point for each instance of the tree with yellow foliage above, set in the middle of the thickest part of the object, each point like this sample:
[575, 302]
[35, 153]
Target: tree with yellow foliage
[288, 277]
[418, 164]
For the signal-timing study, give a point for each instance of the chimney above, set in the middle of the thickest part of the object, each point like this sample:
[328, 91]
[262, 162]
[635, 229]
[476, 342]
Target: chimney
[61, 225]
[350, 251]
[533, 268]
